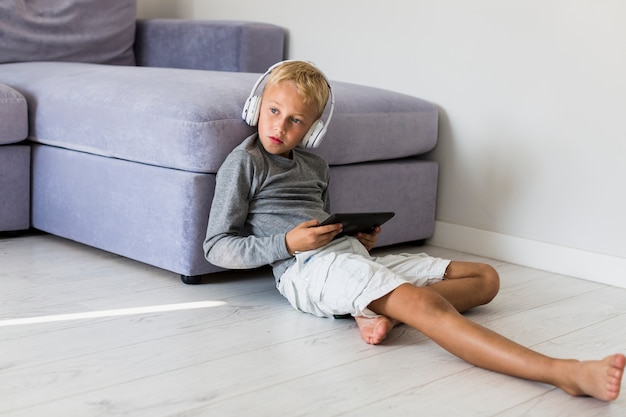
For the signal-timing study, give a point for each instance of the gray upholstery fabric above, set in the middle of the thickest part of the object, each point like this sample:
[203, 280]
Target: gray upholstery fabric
[159, 215]
[407, 186]
[99, 31]
[13, 115]
[190, 120]
[152, 214]
[208, 45]
[14, 187]
[14, 162]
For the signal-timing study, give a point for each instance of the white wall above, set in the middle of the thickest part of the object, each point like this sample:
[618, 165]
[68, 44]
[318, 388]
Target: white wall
[532, 96]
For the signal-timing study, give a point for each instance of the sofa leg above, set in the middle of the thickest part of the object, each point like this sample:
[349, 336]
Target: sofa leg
[191, 280]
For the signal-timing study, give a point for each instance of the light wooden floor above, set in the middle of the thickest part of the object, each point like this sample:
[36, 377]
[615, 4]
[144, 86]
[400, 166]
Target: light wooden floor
[234, 347]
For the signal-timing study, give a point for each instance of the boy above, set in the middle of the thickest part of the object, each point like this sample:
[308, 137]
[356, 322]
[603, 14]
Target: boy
[276, 191]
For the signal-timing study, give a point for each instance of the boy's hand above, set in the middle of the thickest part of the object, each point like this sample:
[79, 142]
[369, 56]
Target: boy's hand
[369, 239]
[309, 235]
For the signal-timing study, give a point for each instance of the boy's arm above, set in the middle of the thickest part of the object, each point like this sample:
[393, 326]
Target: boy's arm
[245, 252]
[224, 245]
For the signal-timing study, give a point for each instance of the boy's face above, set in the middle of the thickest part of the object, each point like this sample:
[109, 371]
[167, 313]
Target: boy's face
[284, 118]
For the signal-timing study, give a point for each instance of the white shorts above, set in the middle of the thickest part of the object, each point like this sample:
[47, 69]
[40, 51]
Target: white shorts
[342, 278]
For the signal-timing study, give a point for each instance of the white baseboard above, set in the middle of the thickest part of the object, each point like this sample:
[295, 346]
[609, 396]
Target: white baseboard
[577, 263]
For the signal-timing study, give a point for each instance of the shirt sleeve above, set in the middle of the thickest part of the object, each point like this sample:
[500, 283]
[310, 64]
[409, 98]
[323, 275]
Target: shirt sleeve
[226, 244]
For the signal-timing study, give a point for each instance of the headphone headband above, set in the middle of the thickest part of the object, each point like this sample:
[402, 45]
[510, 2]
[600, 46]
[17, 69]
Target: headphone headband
[252, 108]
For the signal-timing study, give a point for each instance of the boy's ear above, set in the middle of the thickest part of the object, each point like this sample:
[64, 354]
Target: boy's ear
[315, 134]
[251, 110]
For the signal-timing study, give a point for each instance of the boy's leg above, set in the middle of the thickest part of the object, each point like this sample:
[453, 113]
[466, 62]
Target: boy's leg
[427, 311]
[466, 285]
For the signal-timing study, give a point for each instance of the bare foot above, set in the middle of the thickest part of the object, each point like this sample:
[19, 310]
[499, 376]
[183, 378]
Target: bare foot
[374, 330]
[599, 379]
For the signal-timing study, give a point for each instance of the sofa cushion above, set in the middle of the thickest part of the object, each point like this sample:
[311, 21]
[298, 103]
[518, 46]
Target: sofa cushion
[68, 30]
[13, 115]
[191, 119]
[214, 45]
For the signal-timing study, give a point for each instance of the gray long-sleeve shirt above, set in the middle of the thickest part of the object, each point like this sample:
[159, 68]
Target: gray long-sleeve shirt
[258, 198]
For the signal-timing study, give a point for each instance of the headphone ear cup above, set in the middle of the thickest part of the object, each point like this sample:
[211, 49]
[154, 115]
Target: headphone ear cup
[314, 136]
[251, 110]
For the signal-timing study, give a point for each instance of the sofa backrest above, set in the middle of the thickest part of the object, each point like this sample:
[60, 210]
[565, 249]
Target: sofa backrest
[95, 31]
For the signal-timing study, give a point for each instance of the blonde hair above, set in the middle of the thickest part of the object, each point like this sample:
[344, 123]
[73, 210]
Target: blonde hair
[311, 84]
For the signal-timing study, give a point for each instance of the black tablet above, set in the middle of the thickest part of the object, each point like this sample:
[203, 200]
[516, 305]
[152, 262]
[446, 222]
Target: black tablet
[354, 223]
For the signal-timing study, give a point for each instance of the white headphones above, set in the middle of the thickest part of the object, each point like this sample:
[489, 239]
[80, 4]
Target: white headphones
[252, 108]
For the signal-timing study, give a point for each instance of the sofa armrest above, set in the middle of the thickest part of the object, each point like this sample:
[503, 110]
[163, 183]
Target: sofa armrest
[208, 45]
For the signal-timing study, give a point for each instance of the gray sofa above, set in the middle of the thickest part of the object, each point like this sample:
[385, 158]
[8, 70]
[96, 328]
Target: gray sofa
[128, 129]
[14, 161]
